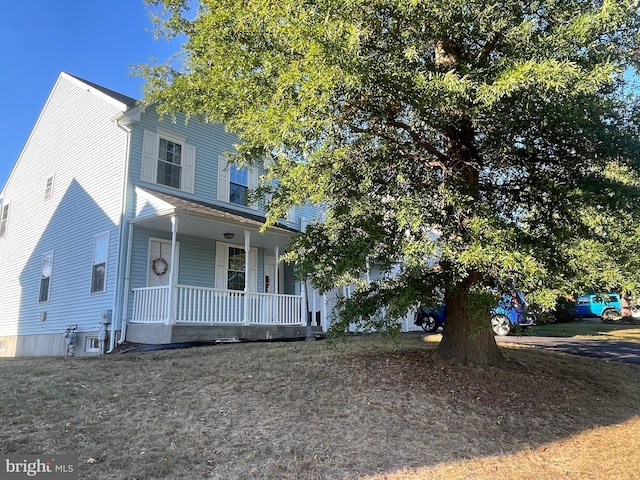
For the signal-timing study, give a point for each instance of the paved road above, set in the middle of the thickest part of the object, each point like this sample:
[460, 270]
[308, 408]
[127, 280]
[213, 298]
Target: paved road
[618, 351]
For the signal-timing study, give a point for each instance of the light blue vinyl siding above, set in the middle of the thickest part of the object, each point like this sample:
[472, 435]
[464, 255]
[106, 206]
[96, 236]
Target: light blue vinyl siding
[197, 257]
[196, 261]
[76, 140]
[210, 141]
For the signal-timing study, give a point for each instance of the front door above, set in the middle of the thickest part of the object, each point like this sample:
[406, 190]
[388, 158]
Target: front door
[160, 262]
[269, 274]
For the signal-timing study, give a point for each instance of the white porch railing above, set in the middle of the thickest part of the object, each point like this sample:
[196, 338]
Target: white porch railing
[271, 308]
[150, 305]
[214, 306]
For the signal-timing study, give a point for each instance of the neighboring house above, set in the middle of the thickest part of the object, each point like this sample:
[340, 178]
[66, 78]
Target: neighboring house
[116, 225]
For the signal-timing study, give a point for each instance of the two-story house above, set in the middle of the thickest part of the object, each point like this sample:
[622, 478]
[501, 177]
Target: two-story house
[118, 225]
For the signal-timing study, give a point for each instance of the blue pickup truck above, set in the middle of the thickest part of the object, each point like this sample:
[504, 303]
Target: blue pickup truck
[606, 306]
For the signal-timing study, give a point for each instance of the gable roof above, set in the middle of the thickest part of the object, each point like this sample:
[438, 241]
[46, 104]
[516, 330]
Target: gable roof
[124, 103]
[126, 100]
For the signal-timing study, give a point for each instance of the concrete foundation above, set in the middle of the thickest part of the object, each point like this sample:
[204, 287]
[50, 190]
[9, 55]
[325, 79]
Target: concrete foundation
[49, 345]
[155, 333]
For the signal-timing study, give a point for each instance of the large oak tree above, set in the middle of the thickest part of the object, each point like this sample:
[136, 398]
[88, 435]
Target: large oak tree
[458, 144]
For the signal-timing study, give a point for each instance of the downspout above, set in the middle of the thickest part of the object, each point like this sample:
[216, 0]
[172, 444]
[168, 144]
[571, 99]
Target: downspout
[125, 305]
[116, 318]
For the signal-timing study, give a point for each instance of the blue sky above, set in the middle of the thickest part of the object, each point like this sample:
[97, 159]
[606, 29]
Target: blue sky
[98, 40]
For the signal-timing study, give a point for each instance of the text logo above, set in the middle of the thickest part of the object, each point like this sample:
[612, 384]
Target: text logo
[50, 467]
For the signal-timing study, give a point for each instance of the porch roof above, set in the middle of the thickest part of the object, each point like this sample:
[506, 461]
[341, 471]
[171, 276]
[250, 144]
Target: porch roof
[207, 220]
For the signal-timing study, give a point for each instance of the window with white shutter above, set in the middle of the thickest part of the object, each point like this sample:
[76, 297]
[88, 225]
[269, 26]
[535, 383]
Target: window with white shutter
[234, 183]
[168, 160]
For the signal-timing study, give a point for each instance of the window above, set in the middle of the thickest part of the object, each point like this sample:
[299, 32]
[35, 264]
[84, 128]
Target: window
[169, 163]
[45, 277]
[92, 345]
[236, 271]
[4, 214]
[99, 269]
[235, 183]
[239, 185]
[167, 159]
[48, 191]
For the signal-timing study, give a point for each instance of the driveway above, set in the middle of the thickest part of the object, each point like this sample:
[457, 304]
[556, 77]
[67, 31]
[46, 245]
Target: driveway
[627, 352]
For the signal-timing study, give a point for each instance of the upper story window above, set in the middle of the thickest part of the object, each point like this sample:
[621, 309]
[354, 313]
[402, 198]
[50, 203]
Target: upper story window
[170, 163]
[4, 216]
[168, 160]
[238, 185]
[48, 190]
[234, 183]
[99, 268]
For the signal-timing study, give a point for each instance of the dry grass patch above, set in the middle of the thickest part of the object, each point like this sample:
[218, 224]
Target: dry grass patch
[309, 410]
[628, 334]
[591, 330]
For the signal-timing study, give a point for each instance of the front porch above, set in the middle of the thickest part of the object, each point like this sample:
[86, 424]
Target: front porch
[187, 313]
[214, 306]
[203, 272]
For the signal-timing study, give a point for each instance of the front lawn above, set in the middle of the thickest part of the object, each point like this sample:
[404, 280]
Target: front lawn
[311, 410]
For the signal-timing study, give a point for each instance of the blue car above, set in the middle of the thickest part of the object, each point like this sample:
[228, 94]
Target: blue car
[608, 307]
[430, 319]
[510, 312]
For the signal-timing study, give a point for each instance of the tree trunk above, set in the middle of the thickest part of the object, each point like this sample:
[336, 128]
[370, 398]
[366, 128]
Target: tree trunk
[467, 338]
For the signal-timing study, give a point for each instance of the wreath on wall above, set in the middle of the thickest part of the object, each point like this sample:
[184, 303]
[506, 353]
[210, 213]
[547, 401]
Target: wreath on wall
[159, 266]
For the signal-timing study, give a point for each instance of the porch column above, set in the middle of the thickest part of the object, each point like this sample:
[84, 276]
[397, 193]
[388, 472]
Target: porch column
[171, 317]
[324, 321]
[247, 247]
[303, 303]
[276, 274]
[308, 320]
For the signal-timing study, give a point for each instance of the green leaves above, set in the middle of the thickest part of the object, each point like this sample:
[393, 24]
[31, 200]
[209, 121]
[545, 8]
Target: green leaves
[549, 76]
[445, 139]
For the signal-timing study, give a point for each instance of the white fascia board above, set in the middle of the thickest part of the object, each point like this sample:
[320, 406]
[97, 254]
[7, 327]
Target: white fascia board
[128, 117]
[94, 91]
